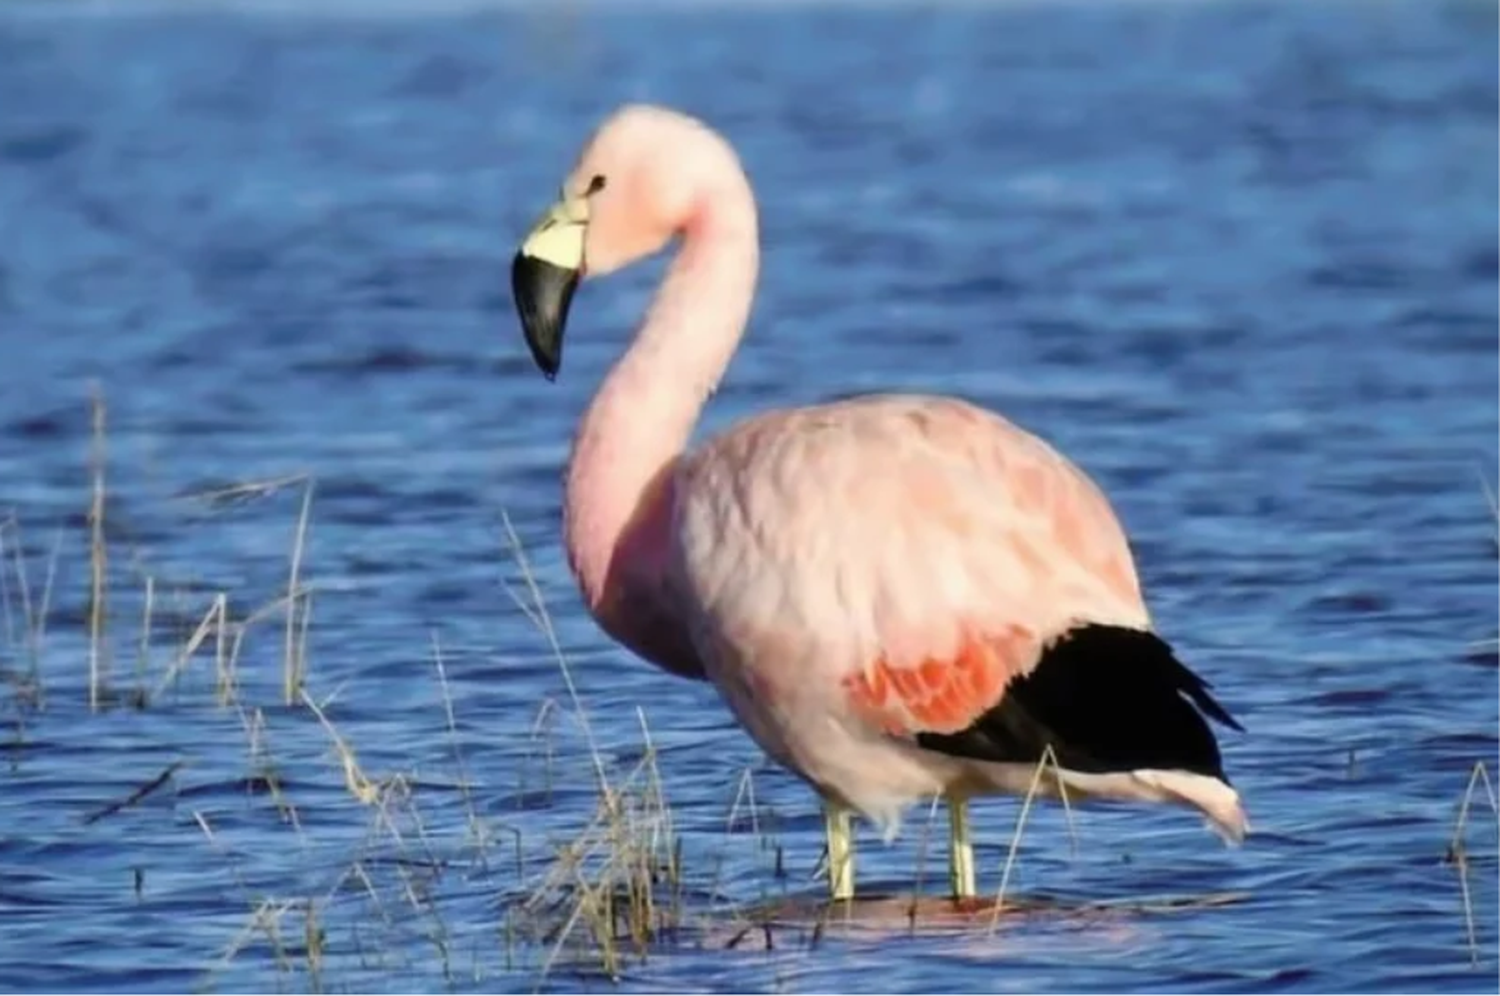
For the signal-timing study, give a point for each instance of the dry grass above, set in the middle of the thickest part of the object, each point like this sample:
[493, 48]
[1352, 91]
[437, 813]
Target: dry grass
[611, 892]
[1458, 850]
[619, 881]
[98, 562]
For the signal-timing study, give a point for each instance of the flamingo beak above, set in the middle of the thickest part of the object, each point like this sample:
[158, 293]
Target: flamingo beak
[543, 277]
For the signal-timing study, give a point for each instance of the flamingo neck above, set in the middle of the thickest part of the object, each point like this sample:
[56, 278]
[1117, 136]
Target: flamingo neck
[618, 498]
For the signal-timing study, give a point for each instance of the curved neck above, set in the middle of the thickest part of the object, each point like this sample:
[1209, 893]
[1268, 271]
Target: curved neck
[644, 413]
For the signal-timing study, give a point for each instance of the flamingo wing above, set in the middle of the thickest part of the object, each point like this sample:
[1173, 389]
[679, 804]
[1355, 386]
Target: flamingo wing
[954, 579]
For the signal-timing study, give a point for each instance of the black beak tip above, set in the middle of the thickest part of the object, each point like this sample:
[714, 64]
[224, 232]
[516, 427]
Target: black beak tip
[543, 293]
[547, 363]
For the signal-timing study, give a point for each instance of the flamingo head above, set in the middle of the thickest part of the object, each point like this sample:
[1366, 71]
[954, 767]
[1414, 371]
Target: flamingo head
[634, 186]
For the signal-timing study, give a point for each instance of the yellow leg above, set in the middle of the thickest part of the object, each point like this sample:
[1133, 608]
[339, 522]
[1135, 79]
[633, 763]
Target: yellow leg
[840, 851]
[961, 849]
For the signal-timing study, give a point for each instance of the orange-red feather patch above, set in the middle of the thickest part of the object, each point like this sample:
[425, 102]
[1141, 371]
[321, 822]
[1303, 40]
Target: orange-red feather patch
[941, 695]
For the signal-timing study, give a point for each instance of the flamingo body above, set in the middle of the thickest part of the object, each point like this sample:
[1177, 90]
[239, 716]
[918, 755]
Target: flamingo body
[898, 596]
[874, 581]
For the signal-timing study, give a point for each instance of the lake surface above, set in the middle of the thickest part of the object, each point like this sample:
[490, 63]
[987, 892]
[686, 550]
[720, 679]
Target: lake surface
[1239, 261]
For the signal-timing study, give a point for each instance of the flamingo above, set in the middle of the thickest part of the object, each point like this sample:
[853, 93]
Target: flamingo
[898, 596]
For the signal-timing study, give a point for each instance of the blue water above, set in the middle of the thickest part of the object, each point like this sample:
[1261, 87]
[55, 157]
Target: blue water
[1238, 260]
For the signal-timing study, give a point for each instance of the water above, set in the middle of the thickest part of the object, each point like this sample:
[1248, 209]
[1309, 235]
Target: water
[1239, 261]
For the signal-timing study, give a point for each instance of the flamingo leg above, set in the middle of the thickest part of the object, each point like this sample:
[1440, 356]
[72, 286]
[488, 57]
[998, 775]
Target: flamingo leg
[961, 849]
[840, 851]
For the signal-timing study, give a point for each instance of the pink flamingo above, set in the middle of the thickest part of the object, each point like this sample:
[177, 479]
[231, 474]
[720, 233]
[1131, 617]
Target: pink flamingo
[898, 597]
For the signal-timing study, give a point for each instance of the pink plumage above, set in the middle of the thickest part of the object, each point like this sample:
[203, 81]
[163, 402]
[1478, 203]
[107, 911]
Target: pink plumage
[898, 596]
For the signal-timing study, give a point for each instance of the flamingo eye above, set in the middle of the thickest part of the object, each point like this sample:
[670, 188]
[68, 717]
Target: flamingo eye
[595, 185]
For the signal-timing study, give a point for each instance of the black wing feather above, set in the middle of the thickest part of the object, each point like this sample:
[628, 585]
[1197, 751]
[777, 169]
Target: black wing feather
[1104, 698]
